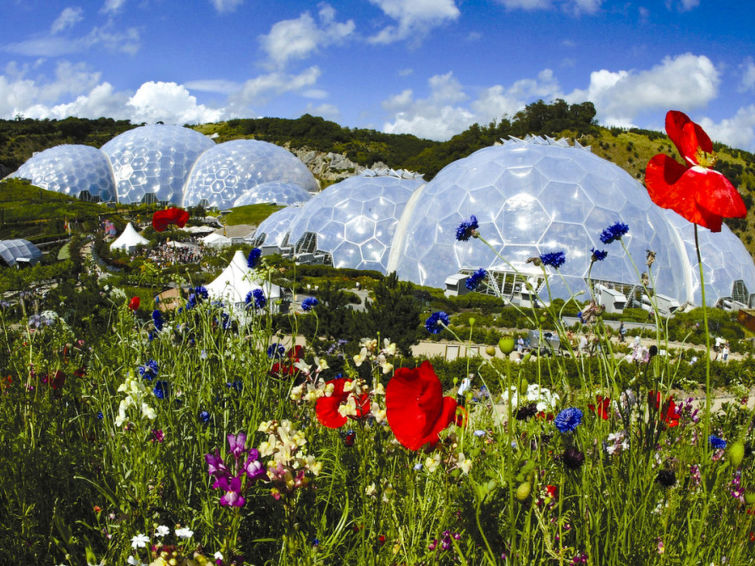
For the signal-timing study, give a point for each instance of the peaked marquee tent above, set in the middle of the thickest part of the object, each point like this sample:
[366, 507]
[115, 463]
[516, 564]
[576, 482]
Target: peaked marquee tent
[235, 283]
[128, 240]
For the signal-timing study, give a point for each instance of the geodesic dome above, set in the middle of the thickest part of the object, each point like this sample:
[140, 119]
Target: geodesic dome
[725, 261]
[354, 220]
[71, 170]
[154, 160]
[15, 251]
[533, 197]
[273, 192]
[228, 170]
[273, 230]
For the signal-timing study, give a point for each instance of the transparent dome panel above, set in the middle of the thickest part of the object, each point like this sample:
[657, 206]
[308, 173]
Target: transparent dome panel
[71, 170]
[154, 160]
[274, 192]
[229, 170]
[277, 226]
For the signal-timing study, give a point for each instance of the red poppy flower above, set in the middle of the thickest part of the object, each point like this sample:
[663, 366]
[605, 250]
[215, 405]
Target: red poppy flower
[552, 491]
[669, 413]
[327, 407]
[694, 190]
[163, 218]
[280, 369]
[133, 304]
[415, 406]
[603, 405]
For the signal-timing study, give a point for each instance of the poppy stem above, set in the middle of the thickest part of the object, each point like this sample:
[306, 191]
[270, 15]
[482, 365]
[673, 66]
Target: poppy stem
[707, 342]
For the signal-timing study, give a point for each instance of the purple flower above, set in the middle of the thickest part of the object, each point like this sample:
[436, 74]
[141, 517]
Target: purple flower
[309, 303]
[554, 259]
[474, 280]
[254, 258]
[253, 467]
[236, 444]
[232, 488]
[613, 232]
[467, 229]
[568, 419]
[436, 321]
[598, 255]
[215, 464]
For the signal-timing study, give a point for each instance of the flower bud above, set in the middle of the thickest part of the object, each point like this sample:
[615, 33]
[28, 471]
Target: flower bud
[523, 491]
[736, 453]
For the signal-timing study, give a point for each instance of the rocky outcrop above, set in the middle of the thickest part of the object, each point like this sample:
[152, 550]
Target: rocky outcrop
[329, 167]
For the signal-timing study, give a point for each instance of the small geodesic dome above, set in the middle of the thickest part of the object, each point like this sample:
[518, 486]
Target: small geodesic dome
[19, 251]
[229, 170]
[274, 192]
[274, 229]
[533, 197]
[71, 170]
[153, 162]
[354, 220]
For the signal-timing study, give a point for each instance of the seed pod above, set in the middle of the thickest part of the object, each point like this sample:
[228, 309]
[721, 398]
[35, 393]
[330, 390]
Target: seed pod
[506, 344]
[750, 497]
[523, 491]
[736, 453]
[490, 350]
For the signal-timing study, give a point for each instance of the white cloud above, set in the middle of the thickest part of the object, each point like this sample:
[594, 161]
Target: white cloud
[573, 6]
[442, 114]
[299, 38]
[686, 82]
[112, 6]
[682, 5]
[226, 5]
[221, 86]
[126, 41]
[737, 131]
[748, 75]
[258, 90]
[415, 18]
[405, 72]
[68, 18]
[327, 111]
[315, 93]
[171, 103]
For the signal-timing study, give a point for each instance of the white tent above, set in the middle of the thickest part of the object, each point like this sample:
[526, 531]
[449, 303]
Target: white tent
[128, 240]
[216, 240]
[235, 283]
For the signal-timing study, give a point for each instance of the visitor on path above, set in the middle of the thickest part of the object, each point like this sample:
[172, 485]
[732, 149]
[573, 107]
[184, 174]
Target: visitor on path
[520, 345]
[622, 332]
[725, 353]
[466, 383]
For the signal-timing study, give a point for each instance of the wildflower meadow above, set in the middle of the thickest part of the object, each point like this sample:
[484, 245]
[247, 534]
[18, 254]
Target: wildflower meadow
[205, 435]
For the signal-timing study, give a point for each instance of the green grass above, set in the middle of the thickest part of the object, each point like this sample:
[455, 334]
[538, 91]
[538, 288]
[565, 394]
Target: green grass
[251, 214]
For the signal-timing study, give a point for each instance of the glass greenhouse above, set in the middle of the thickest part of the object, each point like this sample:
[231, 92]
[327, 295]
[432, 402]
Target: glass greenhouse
[153, 162]
[273, 230]
[274, 192]
[229, 170]
[14, 252]
[71, 170]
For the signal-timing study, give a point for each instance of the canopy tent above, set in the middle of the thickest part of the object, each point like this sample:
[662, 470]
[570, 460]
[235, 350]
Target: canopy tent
[128, 240]
[216, 241]
[15, 252]
[236, 282]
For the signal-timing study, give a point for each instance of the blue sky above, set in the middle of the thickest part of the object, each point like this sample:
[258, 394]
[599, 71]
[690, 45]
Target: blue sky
[427, 67]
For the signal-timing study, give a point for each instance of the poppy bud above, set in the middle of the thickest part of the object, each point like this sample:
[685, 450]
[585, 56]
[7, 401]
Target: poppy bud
[490, 350]
[750, 497]
[523, 491]
[736, 453]
[506, 344]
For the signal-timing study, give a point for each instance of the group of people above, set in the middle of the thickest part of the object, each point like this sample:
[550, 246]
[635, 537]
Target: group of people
[166, 254]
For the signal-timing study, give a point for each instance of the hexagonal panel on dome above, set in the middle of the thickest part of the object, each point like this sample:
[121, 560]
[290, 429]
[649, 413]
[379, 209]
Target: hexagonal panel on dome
[71, 170]
[154, 160]
[273, 192]
[243, 165]
[548, 197]
[274, 229]
[356, 219]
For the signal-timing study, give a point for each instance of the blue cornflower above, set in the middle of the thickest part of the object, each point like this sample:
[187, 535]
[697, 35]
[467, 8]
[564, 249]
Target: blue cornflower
[258, 296]
[157, 318]
[237, 385]
[474, 280]
[254, 258]
[204, 416]
[554, 259]
[598, 255]
[161, 389]
[309, 303]
[467, 229]
[148, 370]
[568, 419]
[275, 350]
[716, 443]
[436, 321]
[100, 416]
[201, 292]
[613, 232]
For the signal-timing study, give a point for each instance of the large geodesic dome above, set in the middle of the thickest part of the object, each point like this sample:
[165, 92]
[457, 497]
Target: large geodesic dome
[274, 229]
[727, 267]
[273, 192]
[71, 170]
[534, 197]
[354, 220]
[154, 160]
[229, 170]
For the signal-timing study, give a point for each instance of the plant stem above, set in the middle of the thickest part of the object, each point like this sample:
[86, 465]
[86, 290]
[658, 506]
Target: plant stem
[707, 341]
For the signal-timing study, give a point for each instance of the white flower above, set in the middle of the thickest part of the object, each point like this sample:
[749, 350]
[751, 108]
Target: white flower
[184, 533]
[370, 490]
[162, 531]
[463, 463]
[135, 561]
[432, 463]
[218, 555]
[139, 541]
